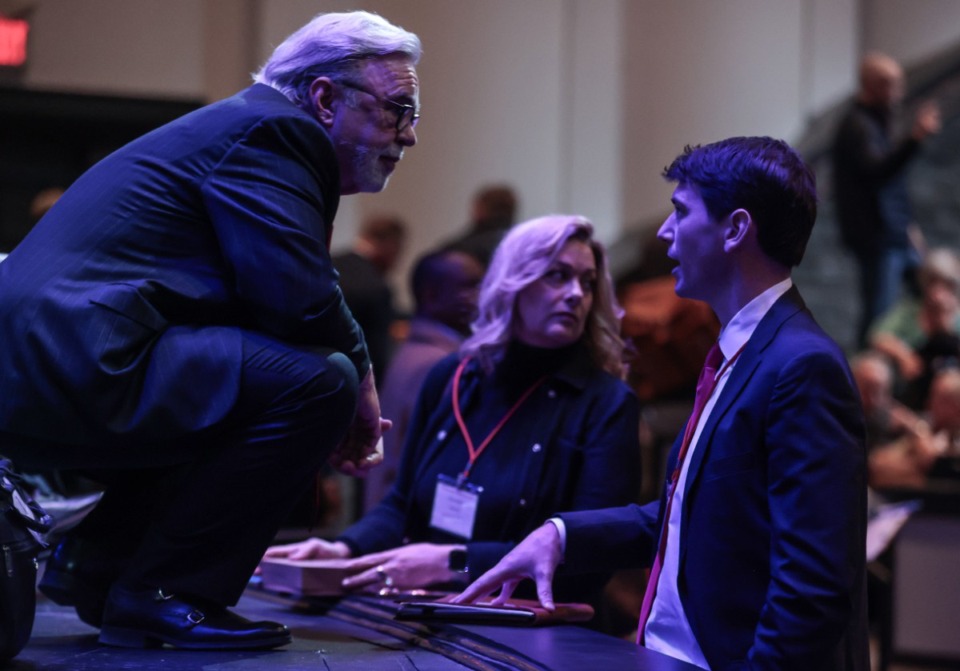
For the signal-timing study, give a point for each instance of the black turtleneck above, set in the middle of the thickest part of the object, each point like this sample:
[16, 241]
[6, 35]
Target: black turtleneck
[523, 364]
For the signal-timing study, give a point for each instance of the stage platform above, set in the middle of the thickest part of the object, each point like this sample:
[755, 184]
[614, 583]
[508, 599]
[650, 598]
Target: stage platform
[355, 633]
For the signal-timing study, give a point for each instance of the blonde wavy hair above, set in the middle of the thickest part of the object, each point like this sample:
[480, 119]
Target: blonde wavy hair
[524, 256]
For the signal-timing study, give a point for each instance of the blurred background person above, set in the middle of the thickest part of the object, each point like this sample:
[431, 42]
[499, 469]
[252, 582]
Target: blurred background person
[870, 185]
[896, 435]
[364, 272]
[530, 417]
[944, 409]
[43, 201]
[933, 440]
[921, 334]
[445, 286]
[493, 211]
[886, 418]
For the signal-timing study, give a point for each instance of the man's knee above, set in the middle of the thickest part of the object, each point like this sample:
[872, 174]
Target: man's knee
[348, 392]
[277, 374]
[329, 390]
[319, 413]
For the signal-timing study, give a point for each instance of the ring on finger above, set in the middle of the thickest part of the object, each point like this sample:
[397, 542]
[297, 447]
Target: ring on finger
[382, 573]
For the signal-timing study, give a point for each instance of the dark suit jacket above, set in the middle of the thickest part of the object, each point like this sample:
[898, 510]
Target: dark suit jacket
[120, 312]
[772, 547]
[870, 182]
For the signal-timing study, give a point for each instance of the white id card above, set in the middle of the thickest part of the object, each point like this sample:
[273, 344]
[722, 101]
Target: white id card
[455, 507]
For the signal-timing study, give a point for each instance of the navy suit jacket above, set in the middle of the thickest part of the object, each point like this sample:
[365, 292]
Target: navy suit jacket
[772, 542]
[120, 312]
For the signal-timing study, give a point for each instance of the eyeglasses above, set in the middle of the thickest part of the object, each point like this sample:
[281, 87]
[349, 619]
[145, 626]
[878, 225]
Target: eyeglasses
[407, 115]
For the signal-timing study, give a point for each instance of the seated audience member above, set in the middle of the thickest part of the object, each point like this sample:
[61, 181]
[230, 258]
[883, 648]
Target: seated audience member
[531, 417]
[943, 407]
[445, 286]
[898, 440]
[918, 332]
[886, 418]
[363, 280]
[493, 211]
[908, 461]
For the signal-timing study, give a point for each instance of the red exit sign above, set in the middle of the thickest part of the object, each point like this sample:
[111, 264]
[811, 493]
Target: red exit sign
[13, 41]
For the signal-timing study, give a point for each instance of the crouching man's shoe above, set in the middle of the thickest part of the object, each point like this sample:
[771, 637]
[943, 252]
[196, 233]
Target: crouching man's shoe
[79, 574]
[148, 619]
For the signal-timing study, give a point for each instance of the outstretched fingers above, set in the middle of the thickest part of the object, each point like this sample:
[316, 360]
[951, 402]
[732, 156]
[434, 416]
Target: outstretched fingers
[484, 586]
[536, 557]
[506, 591]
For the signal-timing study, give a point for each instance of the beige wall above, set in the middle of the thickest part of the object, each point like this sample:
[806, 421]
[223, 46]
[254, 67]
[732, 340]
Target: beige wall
[698, 71]
[910, 29]
[578, 103]
[128, 47]
[829, 51]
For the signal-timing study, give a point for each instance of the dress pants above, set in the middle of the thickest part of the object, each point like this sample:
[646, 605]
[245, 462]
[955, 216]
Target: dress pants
[882, 278]
[198, 513]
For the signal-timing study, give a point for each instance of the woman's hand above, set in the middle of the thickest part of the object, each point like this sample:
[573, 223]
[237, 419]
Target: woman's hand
[312, 548]
[403, 568]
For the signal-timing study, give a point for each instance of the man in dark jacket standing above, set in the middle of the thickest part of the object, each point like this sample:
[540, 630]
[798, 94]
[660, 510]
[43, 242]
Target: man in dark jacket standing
[174, 325]
[869, 172]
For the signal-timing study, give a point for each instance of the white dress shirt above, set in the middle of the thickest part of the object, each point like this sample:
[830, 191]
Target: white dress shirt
[668, 630]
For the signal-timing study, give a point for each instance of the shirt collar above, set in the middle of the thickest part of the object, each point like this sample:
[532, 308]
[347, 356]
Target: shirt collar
[738, 331]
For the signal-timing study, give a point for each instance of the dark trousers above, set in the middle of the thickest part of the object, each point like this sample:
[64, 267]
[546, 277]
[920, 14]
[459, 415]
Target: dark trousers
[882, 275]
[197, 516]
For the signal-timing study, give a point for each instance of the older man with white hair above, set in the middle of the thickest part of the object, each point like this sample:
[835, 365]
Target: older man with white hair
[174, 325]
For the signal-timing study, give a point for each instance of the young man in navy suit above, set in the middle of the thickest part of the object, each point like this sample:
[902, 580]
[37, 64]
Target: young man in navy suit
[759, 544]
[174, 326]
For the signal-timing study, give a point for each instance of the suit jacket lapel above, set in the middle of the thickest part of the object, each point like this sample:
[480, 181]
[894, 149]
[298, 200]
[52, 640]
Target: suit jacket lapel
[785, 307]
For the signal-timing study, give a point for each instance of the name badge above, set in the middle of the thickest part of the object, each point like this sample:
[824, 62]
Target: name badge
[455, 507]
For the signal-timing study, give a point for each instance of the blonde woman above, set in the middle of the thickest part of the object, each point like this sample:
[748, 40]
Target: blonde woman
[531, 417]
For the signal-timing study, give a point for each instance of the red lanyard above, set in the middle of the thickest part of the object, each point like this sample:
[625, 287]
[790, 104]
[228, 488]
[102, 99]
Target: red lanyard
[476, 452]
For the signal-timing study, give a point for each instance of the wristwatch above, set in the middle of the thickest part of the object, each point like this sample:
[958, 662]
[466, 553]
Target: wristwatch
[457, 562]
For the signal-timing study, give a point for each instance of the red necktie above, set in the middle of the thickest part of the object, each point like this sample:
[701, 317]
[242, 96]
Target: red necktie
[705, 386]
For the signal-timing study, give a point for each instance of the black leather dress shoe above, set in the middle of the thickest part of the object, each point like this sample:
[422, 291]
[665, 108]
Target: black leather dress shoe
[79, 574]
[148, 619]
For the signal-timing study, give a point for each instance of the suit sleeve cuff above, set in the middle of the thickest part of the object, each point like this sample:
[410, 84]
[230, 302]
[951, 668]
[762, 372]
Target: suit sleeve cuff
[562, 531]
